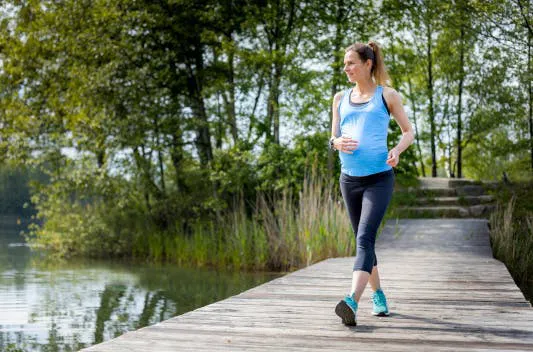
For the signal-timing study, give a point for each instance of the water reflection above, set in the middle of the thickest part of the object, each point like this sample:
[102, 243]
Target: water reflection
[49, 305]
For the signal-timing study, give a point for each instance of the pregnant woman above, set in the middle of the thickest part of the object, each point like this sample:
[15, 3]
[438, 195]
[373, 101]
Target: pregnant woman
[361, 116]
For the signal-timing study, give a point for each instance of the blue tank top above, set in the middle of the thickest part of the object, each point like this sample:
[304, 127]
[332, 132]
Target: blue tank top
[367, 123]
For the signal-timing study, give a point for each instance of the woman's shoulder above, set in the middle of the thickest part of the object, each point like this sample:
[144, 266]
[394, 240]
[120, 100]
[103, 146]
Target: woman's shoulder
[389, 90]
[391, 95]
[338, 96]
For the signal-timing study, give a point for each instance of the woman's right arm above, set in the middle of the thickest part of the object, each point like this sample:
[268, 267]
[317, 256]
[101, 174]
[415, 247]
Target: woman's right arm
[342, 143]
[335, 125]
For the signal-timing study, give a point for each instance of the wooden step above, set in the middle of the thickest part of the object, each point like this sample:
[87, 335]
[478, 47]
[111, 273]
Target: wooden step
[461, 201]
[433, 192]
[445, 182]
[457, 182]
[450, 211]
[466, 191]
[434, 182]
[470, 190]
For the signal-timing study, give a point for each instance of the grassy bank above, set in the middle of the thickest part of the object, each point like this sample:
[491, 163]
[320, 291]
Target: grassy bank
[283, 233]
[278, 236]
[512, 232]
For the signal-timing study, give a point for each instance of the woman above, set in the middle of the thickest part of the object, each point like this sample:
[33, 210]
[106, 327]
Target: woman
[359, 132]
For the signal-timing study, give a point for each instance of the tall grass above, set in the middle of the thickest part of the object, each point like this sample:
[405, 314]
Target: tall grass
[284, 232]
[278, 232]
[512, 239]
[316, 228]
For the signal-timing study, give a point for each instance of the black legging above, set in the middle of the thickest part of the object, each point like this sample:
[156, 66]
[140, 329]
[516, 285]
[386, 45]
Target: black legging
[366, 198]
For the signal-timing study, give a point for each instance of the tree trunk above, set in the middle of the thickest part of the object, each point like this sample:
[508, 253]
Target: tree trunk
[459, 106]
[278, 69]
[100, 157]
[418, 148]
[449, 147]
[253, 121]
[145, 173]
[229, 101]
[530, 77]
[203, 136]
[430, 96]
[219, 125]
[161, 169]
[279, 38]
[176, 155]
[159, 155]
[446, 147]
[270, 103]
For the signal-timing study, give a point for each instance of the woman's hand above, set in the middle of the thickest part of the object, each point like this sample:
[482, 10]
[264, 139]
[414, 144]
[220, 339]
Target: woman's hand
[393, 157]
[345, 144]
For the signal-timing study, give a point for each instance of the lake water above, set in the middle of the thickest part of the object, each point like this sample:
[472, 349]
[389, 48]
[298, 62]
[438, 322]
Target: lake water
[46, 305]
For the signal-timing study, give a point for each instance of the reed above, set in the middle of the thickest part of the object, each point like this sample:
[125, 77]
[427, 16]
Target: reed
[512, 242]
[284, 232]
[316, 228]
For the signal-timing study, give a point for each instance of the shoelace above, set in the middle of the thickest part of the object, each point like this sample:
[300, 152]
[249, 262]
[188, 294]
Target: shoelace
[379, 298]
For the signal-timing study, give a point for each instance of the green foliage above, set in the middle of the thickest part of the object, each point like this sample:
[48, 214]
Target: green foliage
[233, 171]
[281, 166]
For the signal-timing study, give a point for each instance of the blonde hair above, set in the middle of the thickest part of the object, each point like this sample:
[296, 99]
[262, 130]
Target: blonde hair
[371, 51]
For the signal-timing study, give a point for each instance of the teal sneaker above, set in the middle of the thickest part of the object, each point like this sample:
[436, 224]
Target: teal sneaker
[380, 307]
[347, 310]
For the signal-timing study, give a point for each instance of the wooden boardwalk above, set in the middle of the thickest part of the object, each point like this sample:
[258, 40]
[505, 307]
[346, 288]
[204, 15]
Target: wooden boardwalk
[445, 291]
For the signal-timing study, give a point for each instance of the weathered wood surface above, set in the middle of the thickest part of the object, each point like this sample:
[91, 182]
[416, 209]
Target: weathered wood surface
[445, 291]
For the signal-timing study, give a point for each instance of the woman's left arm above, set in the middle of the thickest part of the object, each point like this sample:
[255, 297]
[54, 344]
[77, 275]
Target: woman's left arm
[394, 102]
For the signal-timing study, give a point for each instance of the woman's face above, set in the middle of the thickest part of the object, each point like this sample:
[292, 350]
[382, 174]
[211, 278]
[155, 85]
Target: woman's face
[356, 69]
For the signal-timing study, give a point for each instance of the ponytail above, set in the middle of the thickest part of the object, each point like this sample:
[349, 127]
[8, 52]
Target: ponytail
[372, 51]
[379, 71]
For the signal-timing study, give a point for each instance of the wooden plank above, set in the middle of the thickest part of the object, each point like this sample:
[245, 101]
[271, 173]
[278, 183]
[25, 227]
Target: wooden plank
[402, 313]
[184, 341]
[377, 330]
[415, 297]
[445, 291]
[215, 341]
[281, 304]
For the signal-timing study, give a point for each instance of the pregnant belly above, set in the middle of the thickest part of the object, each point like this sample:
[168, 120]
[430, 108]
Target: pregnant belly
[365, 155]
